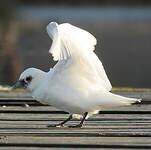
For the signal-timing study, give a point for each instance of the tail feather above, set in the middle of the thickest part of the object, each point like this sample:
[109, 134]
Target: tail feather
[133, 101]
[110, 99]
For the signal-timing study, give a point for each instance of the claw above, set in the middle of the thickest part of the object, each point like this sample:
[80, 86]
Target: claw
[62, 123]
[55, 125]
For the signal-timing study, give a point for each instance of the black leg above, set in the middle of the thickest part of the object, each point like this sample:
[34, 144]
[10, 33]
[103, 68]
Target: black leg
[62, 123]
[81, 123]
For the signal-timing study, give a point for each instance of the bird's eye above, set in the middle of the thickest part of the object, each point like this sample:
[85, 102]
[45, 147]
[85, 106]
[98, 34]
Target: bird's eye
[28, 79]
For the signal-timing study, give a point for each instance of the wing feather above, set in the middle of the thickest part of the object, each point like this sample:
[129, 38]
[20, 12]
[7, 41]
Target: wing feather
[75, 43]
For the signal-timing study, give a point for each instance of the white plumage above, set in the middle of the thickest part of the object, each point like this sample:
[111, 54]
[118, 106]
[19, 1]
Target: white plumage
[78, 82]
[76, 46]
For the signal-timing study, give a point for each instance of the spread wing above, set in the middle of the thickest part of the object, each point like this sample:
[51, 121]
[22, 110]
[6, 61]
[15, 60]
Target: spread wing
[76, 46]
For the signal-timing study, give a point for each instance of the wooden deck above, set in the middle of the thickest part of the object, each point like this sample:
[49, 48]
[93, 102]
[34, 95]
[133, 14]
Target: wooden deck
[23, 124]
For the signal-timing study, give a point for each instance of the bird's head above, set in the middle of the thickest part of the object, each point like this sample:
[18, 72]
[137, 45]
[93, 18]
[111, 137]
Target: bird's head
[30, 79]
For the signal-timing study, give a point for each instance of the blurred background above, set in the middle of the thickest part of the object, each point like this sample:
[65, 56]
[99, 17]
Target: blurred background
[122, 28]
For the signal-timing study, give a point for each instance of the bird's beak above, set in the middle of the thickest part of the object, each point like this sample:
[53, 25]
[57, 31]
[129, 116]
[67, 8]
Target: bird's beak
[18, 84]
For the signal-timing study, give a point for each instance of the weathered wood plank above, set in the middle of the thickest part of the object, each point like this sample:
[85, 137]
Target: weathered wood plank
[72, 134]
[76, 140]
[53, 117]
[13, 126]
[48, 148]
[58, 145]
[101, 118]
[86, 128]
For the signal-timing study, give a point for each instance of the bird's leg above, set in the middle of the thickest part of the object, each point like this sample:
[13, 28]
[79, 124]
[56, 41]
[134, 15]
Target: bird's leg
[62, 123]
[81, 123]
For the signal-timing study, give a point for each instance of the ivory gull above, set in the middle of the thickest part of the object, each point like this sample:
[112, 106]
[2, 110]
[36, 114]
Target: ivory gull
[78, 83]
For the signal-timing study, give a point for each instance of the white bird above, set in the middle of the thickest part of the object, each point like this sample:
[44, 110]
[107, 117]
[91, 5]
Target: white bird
[78, 83]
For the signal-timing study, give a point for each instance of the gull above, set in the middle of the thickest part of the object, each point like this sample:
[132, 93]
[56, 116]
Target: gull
[78, 83]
